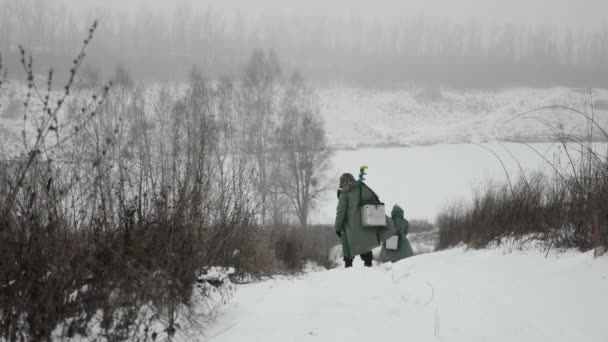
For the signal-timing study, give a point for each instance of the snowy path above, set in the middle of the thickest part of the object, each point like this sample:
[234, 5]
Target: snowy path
[446, 296]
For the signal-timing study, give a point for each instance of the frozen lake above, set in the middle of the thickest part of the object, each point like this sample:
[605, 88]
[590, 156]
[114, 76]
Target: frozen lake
[426, 179]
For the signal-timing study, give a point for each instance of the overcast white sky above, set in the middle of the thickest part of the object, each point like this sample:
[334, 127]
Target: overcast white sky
[572, 13]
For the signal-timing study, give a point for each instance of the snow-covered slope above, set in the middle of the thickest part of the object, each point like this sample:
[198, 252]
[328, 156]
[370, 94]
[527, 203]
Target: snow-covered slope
[455, 295]
[418, 116]
[358, 118]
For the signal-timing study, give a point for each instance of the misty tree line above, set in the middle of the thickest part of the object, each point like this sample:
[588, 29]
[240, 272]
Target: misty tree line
[350, 49]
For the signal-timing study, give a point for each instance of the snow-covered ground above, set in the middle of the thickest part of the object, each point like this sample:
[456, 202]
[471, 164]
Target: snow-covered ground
[418, 116]
[455, 295]
[423, 242]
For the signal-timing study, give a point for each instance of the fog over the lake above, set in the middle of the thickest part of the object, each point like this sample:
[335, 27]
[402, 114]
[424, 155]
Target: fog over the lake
[478, 43]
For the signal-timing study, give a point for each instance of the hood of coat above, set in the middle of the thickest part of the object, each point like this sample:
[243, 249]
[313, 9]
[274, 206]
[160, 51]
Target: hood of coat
[397, 212]
[347, 182]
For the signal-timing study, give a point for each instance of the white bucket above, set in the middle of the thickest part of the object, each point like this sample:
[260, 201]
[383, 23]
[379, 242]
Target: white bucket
[392, 243]
[372, 215]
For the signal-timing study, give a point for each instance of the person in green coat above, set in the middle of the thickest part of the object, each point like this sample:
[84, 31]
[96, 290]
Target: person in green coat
[356, 239]
[404, 249]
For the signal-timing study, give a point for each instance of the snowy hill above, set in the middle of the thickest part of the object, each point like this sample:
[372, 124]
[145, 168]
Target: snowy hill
[455, 295]
[425, 116]
[357, 118]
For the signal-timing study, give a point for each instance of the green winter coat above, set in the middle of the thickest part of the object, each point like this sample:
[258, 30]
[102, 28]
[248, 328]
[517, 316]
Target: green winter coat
[357, 239]
[404, 249]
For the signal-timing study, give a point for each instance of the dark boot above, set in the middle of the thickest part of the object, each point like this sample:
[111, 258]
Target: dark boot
[367, 259]
[348, 262]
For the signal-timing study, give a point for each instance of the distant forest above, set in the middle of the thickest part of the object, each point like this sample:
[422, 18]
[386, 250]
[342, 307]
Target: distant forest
[354, 50]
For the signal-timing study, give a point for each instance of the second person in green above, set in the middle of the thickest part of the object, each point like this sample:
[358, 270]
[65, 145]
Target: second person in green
[404, 249]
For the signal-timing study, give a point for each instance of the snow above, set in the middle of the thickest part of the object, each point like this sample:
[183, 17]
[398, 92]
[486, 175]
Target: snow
[217, 274]
[213, 291]
[357, 118]
[454, 295]
[426, 179]
[423, 242]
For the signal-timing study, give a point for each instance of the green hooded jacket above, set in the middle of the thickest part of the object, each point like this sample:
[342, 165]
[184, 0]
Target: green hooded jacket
[357, 239]
[404, 249]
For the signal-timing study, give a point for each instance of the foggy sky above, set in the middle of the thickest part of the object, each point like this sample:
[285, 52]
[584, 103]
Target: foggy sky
[588, 14]
[376, 43]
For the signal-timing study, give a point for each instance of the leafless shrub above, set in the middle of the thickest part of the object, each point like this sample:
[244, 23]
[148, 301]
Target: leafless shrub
[263, 251]
[108, 217]
[294, 246]
[567, 210]
[119, 200]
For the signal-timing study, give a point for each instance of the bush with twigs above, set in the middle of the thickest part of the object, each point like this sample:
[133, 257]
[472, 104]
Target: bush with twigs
[109, 218]
[566, 210]
[119, 202]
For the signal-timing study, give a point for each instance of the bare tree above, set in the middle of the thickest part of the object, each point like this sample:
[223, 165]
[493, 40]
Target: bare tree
[304, 155]
[261, 85]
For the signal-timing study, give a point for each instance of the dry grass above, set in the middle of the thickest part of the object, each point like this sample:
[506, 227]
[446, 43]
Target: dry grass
[567, 210]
